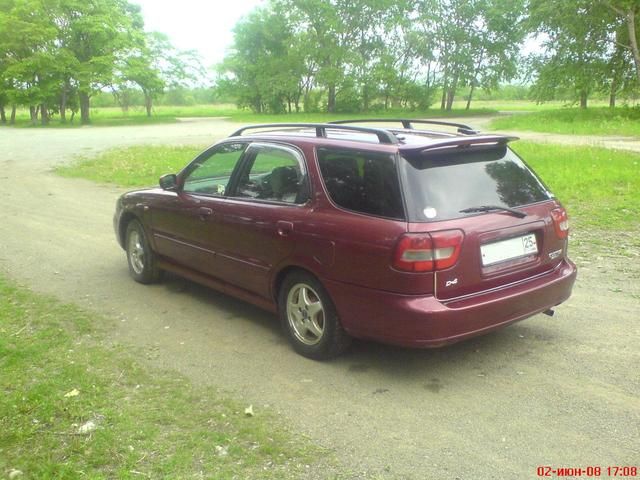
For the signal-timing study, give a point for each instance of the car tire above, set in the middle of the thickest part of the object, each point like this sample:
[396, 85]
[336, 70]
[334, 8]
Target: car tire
[143, 264]
[309, 318]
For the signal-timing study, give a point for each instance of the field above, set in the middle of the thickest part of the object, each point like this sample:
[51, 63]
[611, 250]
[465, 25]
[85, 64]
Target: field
[110, 116]
[570, 121]
[168, 114]
[551, 117]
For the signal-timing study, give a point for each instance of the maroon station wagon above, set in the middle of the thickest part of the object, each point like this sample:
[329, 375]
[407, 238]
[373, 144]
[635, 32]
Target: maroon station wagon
[406, 236]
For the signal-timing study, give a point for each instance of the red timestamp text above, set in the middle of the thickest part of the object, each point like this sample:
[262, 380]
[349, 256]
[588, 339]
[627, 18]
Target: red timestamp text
[589, 471]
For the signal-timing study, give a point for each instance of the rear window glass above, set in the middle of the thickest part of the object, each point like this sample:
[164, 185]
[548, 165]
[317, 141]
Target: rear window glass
[439, 185]
[365, 182]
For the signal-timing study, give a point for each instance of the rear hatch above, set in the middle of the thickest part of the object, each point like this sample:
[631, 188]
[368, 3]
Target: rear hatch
[484, 206]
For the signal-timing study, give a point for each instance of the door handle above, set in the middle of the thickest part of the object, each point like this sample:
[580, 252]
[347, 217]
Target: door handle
[284, 228]
[204, 212]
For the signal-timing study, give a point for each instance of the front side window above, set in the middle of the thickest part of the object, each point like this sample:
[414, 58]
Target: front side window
[275, 174]
[365, 182]
[210, 173]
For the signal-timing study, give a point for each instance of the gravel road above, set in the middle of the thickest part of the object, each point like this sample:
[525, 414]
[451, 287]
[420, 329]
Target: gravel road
[561, 391]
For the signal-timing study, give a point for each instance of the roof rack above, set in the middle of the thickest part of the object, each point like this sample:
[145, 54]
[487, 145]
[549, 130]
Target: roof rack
[384, 136]
[407, 123]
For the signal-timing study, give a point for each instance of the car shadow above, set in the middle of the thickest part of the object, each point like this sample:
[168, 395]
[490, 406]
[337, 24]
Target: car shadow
[480, 356]
[230, 307]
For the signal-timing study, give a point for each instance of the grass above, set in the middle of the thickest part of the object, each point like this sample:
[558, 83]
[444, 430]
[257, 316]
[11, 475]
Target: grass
[148, 423]
[592, 121]
[137, 166]
[599, 187]
[111, 116]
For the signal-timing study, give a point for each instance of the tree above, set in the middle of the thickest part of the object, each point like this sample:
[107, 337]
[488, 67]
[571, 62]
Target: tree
[628, 13]
[28, 51]
[55, 54]
[262, 70]
[328, 32]
[100, 32]
[589, 46]
[153, 65]
[470, 42]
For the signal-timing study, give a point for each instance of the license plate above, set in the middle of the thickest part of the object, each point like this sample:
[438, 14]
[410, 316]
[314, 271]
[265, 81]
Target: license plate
[503, 250]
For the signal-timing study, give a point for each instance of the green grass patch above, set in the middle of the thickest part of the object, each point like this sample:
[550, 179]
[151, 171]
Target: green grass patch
[111, 116]
[600, 187]
[137, 166]
[591, 121]
[146, 423]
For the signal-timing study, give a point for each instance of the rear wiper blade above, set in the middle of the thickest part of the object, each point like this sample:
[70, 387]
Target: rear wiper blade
[488, 208]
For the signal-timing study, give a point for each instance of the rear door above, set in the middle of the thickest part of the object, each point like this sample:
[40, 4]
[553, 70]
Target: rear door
[498, 248]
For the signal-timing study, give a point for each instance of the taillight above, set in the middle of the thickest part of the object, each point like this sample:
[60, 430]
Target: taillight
[560, 222]
[426, 252]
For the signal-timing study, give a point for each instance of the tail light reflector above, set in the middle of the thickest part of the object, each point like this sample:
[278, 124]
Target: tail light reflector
[427, 252]
[560, 222]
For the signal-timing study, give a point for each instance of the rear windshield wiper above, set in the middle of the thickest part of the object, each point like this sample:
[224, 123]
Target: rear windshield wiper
[488, 208]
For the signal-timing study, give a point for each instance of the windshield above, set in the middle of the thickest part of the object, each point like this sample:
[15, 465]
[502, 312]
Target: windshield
[441, 184]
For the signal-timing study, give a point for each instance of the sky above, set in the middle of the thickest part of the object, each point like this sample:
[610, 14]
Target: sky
[202, 25]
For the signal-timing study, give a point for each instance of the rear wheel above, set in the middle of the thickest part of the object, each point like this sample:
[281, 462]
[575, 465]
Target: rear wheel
[143, 265]
[309, 318]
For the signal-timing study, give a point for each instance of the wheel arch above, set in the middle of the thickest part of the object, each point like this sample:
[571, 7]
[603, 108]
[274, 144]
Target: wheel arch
[126, 218]
[283, 273]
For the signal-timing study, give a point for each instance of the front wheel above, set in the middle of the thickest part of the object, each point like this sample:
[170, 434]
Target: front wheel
[143, 266]
[309, 318]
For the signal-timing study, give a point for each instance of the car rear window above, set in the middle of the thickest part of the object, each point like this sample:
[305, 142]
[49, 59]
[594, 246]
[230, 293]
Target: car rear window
[441, 184]
[362, 181]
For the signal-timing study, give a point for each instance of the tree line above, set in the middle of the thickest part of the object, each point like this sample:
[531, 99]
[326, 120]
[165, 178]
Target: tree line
[358, 55]
[321, 55]
[56, 54]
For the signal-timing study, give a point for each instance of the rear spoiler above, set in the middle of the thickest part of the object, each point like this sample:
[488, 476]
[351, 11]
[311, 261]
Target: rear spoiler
[459, 142]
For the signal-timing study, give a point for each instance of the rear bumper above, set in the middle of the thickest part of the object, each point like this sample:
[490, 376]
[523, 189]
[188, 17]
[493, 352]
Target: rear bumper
[424, 321]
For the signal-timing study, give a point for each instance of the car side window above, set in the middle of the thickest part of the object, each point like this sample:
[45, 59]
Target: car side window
[210, 173]
[365, 182]
[275, 174]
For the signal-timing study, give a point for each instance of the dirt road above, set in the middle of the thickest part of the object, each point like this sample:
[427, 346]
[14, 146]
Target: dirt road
[561, 391]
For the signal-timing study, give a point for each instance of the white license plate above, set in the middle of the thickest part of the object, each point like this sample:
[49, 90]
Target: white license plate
[503, 250]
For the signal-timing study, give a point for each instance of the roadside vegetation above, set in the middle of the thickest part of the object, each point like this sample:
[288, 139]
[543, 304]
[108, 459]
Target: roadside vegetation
[74, 406]
[593, 121]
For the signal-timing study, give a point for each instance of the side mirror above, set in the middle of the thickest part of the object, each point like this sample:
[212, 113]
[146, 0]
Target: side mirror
[168, 181]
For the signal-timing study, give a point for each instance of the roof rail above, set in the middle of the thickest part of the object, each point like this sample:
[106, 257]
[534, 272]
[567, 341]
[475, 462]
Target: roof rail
[384, 136]
[407, 123]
